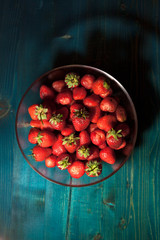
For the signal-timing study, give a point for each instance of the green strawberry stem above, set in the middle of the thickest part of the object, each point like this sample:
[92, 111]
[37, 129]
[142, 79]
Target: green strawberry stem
[69, 140]
[106, 85]
[64, 163]
[72, 80]
[40, 111]
[84, 151]
[56, 118]
[82, 113]
[39, 138]
[93, 167]
[114, 134]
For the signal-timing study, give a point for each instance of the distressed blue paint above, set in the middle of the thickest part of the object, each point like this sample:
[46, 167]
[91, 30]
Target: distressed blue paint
[121, 37]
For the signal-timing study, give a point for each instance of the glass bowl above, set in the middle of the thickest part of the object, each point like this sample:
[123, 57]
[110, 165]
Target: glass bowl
[31, 96]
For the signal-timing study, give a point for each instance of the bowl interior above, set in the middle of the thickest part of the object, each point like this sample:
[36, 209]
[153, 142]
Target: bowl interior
[31, 96]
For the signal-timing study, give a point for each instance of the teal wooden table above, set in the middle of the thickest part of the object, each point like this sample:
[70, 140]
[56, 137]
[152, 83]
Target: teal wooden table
[120, 37]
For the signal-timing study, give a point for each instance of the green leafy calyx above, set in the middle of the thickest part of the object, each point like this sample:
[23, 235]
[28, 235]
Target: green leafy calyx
[84, 151]
[64, 163]
[113, 133]
[40, 111]
[69, 140]
[106, 85]
[72, 80]
[82, 113]
[93, 168]
[56, 118]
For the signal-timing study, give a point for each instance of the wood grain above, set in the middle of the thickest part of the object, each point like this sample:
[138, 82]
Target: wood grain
[121, 37]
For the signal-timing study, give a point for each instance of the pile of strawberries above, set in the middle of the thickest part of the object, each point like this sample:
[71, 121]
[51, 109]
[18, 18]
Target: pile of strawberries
[79, 124]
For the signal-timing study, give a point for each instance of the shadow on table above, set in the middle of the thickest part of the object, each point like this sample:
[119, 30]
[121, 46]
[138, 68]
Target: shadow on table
[122, 59]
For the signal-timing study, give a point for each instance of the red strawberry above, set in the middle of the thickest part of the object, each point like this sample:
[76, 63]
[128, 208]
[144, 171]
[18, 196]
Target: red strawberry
[83, 152]
[87, 81]
[35, 123]
[59, 85]
[74, 107]
[102, 146]
[84, 138]
[127, 149]
[46, 92]
[64, 161]
[71, 143]
[114, 139]
[122, 145]
[72, 80]
[125, 130]
[106, 122]
[121, 114]
[69, 129]
[76, 170]
[108, 104]
[94, 153]
[79, 93]
[95, 114]
[51, 161]
[108, 155]
[64, 98]
[97, 137]
[92, 101]
[101, 85]
[64, 111]
[40, 154]
[107, 94]
[93, 168]
[32, 136]
[46, 138]
[57, 121]
[81, 119]
[45, 125]
[58, 148]
[38, 112]
[92, 127]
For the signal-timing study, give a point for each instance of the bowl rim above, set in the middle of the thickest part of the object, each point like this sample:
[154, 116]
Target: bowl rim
[109, 76]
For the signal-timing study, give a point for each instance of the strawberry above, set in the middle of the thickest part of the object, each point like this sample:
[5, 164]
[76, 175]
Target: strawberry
[122, 145]
[108, 104]
[92, 127]
[45, 125]
[64, 161]
[72, 80]
[59, 85]
[107, 94]
[84, 138]
[114, 139]
[32, 136]
[92, 101]
[64, 111]
[127, 149]
[108, 155]
[69, 129]
[35, 123]
[121, 114]
[46, 92]
[50, 104]
[74, 107]
[102, 146]
[64, 98]
[81, 119]
[87, 81]
[106, 122]
[79, 93]
[97, 137]
[94, 153]
[125, 130]
[51, 161]
[40, 154]
[93, 168]
[101, 86]
[57, 121]
[95, 114]
[38, 112]
[71, 143]
[76, 170]
[46, 138]
[58, 148]
[83, 152]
